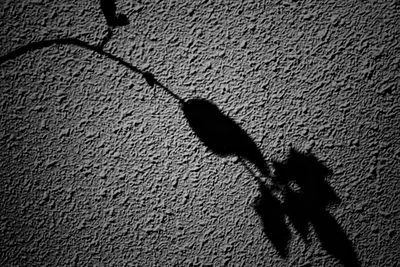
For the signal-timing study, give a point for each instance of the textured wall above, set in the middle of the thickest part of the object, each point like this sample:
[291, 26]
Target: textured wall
[99, 168]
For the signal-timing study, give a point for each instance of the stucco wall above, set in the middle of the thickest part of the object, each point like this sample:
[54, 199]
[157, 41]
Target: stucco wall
[98, 168]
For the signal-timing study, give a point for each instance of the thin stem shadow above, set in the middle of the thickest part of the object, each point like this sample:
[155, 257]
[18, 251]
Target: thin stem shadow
[149, 77]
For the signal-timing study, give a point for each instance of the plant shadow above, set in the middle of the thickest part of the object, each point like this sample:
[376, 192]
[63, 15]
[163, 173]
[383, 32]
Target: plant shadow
[306, 194]
[306, 197]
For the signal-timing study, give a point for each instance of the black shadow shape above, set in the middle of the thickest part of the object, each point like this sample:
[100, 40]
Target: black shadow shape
[333, 238]
[221, 134]
[307, 204]
[297, 211]
[272, 215]
[149, 77]
[113, 19]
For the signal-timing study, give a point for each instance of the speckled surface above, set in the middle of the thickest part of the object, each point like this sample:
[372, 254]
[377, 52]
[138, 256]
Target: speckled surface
[98, 168]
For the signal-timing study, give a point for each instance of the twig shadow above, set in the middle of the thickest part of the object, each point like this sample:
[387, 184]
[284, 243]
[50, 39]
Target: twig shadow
[113, 19]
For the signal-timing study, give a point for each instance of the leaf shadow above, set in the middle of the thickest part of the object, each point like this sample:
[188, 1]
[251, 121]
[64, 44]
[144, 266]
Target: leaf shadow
[307, 196]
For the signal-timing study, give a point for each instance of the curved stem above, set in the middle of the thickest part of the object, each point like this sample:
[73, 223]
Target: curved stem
[76, 42]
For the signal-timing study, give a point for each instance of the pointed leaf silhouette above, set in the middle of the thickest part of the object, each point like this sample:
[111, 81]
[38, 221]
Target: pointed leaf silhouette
[221, 134]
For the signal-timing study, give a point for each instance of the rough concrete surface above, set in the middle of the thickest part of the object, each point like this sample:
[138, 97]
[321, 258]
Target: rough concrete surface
[102, 165]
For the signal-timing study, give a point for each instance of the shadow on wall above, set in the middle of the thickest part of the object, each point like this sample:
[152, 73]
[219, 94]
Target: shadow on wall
[305, 199]
[224, 137]
[301, 178]
[113, 19]
[221, 134]
[272, 215]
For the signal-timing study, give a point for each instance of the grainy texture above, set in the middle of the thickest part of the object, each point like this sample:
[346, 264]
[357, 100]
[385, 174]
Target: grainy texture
[98, 168]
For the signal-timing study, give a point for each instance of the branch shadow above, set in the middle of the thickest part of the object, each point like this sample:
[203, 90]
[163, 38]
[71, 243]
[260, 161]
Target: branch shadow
[304, 206]
[113, 19]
